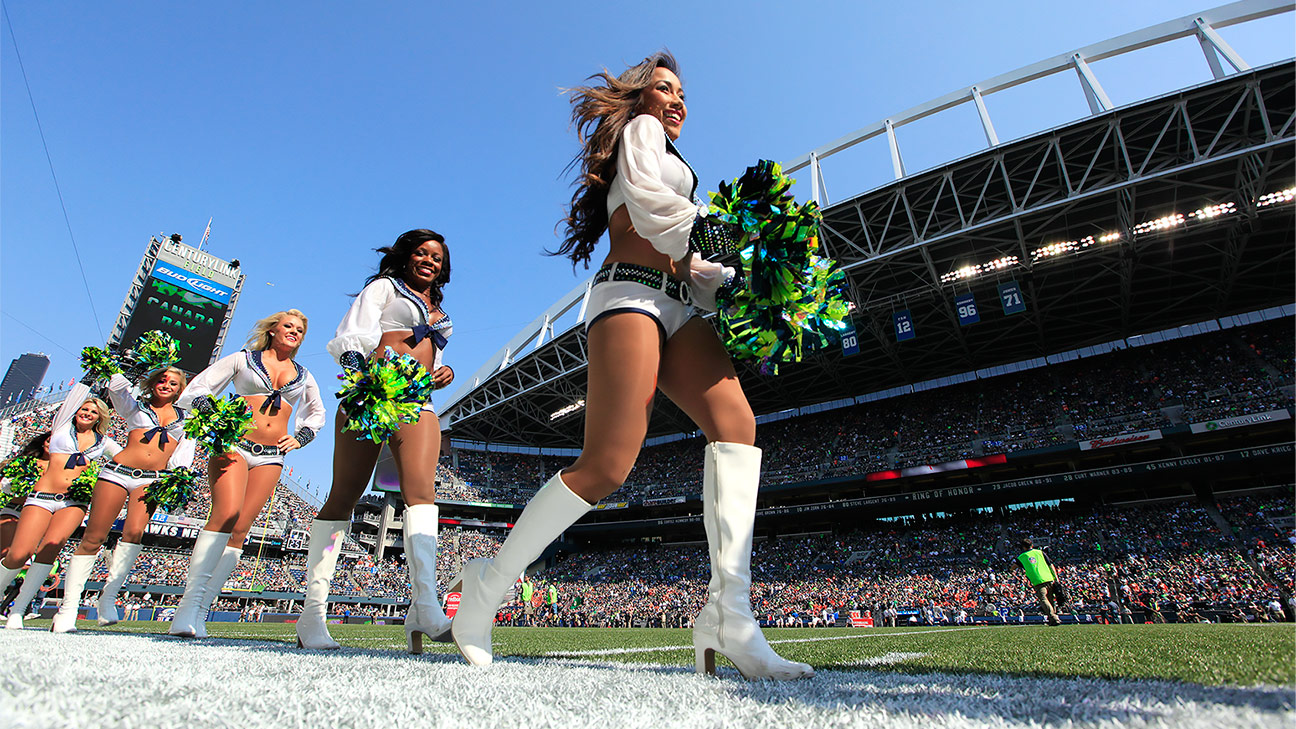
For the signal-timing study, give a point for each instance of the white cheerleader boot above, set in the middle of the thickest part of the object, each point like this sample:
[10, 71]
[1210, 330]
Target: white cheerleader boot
[36, 575]
[74, 579]
[207, 551]
[726, 625]
[228, 561]
[326, 539]
[425, 618]
[484, 583]
[123, 558]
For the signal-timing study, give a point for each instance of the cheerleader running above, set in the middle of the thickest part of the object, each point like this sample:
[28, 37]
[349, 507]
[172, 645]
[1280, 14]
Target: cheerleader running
[156, 444]
[273, 384]
[58, 501]
[397, 316]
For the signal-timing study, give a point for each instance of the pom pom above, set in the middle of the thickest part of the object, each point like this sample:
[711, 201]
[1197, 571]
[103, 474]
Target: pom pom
[98, 364]
[794, 300]
[171, 492]
[155, 350]
[382, 394]
[22, 474]
[82, 487]
[222, 426]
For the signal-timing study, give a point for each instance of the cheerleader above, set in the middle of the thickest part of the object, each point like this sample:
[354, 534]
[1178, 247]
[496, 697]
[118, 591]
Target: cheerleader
[398, 311]
[27, 465]
[156, 444]
[645, 334]
[274, 385]
[55, 508]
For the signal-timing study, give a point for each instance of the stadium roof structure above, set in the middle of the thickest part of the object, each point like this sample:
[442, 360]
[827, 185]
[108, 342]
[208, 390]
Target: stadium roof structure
[1134, 219]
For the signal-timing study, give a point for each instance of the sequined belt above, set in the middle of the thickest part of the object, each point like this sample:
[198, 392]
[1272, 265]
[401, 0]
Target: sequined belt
[258, 449]
[650, 277]
[115, 467]
[43, 496]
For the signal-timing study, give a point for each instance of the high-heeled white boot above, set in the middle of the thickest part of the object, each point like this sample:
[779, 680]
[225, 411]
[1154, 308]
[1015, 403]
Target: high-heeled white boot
[74, 579]
[730, 477]
[207, 551]
[123, 558]
[326, 539]
[36, 575]
[425, 616]
[228, 561]
[483, 583]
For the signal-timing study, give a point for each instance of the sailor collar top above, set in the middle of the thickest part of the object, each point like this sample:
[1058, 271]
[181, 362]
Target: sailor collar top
[63, 433]
[388, 305]
[656, 185]
[247, 372]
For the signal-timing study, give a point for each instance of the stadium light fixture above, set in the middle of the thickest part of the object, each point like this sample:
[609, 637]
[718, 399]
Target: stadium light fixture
[1275, 198]
[973, 271]
[566, 410]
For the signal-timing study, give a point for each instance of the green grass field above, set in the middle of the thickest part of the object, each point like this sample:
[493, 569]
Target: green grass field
[1213, 655]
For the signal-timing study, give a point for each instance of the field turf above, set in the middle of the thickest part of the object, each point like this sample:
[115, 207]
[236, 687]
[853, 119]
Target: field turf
[1212, 655]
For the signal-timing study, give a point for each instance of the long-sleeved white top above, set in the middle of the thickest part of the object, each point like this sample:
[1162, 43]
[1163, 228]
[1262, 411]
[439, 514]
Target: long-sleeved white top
[141, 416]
[63, 434]
[655, 186]
[249, 376]
[387, 305]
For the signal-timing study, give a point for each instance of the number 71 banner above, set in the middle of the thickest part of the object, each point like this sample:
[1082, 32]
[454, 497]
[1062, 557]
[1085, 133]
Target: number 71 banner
[1010, 294]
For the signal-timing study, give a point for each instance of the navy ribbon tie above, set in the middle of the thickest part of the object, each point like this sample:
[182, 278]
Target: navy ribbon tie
[423, 331]
[76, 460]
[163, 436]
[273, 402]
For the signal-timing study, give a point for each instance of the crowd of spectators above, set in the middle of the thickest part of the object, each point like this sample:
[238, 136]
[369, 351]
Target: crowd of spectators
[1193, 379]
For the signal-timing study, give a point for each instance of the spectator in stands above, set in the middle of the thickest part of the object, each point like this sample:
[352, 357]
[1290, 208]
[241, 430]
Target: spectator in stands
[643, 338]
[274, 386]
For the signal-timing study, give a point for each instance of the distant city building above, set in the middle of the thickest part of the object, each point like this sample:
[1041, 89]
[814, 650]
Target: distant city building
[25, 375]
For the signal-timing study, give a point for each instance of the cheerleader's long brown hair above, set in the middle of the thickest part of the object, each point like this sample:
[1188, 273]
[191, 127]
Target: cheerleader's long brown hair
[605, 108]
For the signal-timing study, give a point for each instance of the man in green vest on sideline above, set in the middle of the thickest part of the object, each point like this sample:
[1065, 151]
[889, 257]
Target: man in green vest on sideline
[1041, 577]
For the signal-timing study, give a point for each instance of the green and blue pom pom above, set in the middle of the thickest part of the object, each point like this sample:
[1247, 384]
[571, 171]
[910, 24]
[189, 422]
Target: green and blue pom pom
[155, 350]
[171, 492]
[794, 300]
[22, 473]
[98, 364]
[82, 487]
[229, 420]
[384, 393]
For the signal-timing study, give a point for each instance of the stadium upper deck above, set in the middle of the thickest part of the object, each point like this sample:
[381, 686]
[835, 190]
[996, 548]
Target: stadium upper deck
[1134, 219]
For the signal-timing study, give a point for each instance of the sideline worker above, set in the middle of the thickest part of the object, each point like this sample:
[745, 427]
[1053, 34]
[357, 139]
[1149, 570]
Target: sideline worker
[1041, 577]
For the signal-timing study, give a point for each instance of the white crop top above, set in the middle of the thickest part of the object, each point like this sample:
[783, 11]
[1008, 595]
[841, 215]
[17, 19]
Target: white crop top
[141, 416]
[63, 434]
[249, 376]
[656, 185]
[387, 305]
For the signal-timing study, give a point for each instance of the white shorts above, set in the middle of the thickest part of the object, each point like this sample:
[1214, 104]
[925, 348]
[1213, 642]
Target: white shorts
[53, 505]
[248, 449]
[127, 477]
[614, 297]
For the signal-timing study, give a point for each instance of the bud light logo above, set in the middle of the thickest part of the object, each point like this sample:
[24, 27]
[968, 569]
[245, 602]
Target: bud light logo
[193, 282]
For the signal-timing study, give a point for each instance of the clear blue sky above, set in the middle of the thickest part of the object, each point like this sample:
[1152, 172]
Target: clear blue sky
[315, 132]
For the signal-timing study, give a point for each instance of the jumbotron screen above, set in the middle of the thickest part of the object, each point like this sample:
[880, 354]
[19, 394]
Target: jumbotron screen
[187, 306]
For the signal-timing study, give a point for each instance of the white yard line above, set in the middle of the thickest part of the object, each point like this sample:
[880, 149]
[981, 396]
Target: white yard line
[659, 649]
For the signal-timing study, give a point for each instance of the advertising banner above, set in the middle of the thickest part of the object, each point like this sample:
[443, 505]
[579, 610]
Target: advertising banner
[194, 320]
[200, 285]
[1119, 440]
[1240, 421]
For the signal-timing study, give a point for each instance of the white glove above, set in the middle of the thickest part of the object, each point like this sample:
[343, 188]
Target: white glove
[705, 277]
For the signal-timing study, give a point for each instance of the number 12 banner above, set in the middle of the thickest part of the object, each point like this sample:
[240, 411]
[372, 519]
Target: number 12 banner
[904, 328]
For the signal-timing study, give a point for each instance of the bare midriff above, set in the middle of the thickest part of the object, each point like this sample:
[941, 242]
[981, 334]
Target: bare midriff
[271, 423]
[138, 454]
[630, 247]
[402, 342]
[56, 479]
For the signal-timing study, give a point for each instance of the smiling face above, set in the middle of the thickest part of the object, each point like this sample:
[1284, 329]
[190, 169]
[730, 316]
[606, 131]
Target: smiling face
[425, 264]
[167, 388]
[664, 99]
[87, 417]
[287, 333]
